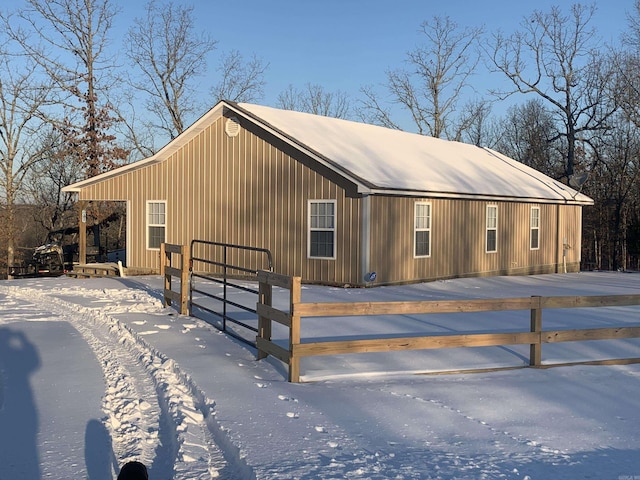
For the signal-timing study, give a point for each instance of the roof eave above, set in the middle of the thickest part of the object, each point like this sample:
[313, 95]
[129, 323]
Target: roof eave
[582, 200]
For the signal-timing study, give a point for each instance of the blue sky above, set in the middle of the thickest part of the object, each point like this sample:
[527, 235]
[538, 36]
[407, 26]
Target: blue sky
[345, 44]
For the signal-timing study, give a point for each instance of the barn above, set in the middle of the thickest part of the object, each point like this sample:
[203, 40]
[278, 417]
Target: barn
[336, 201]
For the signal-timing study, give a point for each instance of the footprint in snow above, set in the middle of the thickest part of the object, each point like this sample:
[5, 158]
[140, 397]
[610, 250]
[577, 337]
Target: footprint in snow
[261, 385]
[292, 415]
[320, 429]
[163, 327]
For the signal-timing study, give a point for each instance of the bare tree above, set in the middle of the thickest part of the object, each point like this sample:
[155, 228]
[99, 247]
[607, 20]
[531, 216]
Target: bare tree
[373, 109]
[554, 56]
[474, 124]
[626, 83]
[170, 54]
[528, 133]
[315, 99]
[614, 187]
[437, 73]
[240, 81]
[68, 39]
[632, 36]
[44, 184]
[626, 86]
[22, 97]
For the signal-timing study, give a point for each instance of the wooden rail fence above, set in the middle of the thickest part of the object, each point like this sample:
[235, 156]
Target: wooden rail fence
[178, 269]
[535, 337]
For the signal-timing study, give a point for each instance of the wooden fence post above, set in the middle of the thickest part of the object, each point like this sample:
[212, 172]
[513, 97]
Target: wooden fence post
[265, 297]
[294, 331]
[164, 256]
[535, 354]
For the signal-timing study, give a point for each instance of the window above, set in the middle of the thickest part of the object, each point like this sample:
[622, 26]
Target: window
[322, 228]
[156, 222]
[534, 224]
[492, 228]
[422, 230]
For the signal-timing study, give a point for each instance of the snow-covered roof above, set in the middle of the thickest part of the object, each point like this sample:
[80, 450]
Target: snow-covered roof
[384, 161]
[392, 161]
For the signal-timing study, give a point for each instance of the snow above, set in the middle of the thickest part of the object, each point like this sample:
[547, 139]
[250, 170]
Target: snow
[393, 159]
[97, 372]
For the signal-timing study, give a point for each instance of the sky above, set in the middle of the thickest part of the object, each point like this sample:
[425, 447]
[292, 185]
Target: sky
[96, 372]
[346, 44]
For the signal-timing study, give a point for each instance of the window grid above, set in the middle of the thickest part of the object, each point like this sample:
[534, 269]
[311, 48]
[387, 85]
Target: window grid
[422, 230]
[322, 229]
[156, 223]
[535, 228]
[492, 229]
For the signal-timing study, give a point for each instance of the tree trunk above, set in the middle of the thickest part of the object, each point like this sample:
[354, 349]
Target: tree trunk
[11, 241]
[596, 251]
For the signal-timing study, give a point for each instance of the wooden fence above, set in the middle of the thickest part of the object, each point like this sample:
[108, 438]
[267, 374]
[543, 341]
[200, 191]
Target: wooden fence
[178, 269]
[535, 337]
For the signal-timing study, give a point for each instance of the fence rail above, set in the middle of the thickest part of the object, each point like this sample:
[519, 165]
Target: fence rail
[178, 269]
[535, 337]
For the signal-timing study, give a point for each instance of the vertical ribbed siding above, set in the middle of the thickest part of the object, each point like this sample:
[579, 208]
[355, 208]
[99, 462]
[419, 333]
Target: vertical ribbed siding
[458, 236]
[239, 190]
[254, 190]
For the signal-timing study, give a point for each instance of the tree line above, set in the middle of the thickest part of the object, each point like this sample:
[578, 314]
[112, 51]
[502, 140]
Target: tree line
[71, 108]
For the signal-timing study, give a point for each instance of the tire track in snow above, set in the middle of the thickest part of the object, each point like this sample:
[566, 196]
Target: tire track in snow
[176, 434]
[131, 428]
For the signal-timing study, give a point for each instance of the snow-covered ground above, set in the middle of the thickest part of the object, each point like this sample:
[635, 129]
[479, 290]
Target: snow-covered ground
[96, 372]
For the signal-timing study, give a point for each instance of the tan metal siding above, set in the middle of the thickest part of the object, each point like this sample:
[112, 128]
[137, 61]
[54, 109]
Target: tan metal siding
[239, 190]
[253, 189]
[458, 230]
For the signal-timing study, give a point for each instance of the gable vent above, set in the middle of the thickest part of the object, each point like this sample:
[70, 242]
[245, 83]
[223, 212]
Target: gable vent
[232, 127]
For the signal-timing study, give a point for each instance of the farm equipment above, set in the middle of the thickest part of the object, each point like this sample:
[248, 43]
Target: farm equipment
[52, 259]
[47, 261]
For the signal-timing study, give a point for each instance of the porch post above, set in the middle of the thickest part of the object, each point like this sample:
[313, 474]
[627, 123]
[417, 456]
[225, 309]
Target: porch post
[82, 230]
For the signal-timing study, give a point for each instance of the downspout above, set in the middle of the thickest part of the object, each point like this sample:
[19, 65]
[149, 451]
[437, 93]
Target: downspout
[565, 244]
[128, 245]
[557, 253]
[365, 242]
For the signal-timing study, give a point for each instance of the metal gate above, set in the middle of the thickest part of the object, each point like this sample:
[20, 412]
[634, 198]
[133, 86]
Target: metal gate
[223, 288]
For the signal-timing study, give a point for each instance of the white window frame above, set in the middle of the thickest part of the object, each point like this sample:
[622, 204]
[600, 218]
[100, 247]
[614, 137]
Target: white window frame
[311, 228]
[491, 228]
[149, 224]
[417, 227]
[534, 226]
